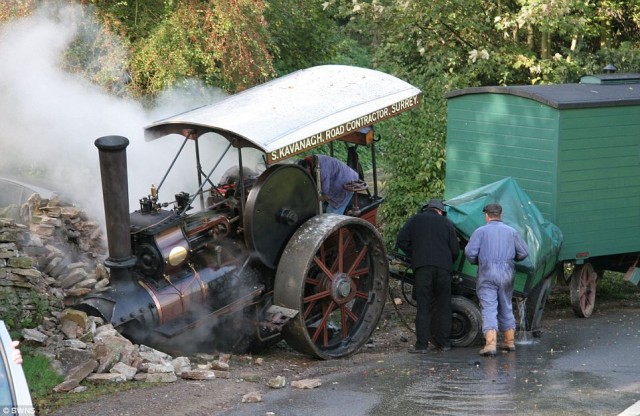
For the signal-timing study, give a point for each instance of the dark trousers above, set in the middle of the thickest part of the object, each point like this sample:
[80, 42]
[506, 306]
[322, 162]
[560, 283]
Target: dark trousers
[433, 295]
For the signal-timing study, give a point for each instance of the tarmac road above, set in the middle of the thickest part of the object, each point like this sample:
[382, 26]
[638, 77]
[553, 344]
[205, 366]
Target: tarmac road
[578, 367]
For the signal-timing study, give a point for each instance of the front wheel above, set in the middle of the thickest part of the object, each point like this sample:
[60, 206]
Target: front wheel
[466, 322]
[334, 272]
[535, 302]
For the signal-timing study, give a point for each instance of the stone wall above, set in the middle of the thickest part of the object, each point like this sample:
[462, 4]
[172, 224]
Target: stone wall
[50, 253]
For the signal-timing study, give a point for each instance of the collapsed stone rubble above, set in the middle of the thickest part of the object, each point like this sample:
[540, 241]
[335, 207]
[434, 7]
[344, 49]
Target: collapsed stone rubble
[51, 254]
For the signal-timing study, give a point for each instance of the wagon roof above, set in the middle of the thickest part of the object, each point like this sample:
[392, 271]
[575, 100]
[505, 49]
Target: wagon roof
[563, 96]
[299, 111]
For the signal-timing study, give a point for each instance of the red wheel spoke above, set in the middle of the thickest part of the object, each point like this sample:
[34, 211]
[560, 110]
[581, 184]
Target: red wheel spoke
[322, 328]
[340, 249]
[308, 309]
[358, 260]
[360, 272]
[323, 267]
[347, 313]
[312, 281]
[323, 254]
[316, 296]
[362, 295]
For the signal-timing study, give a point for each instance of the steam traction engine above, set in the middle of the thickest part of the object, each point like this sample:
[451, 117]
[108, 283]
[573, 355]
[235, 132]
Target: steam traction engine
[238, 265]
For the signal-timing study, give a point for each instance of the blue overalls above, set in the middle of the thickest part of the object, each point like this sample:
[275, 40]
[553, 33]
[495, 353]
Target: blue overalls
[495, 247]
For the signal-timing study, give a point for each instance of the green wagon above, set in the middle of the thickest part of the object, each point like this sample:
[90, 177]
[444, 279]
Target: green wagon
[575, 150]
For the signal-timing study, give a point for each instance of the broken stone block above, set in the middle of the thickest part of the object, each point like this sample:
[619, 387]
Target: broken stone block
[109, 349]
[250, 377]
[219, 365]
[101, 284]
[74, 343]
[76, 276]
[198, 375]
[77, 292]
[31, 334]
[161, 378]
[106, 378]
[76, 375]
[86, 283]
[252, 397]
[128, 371]
[79, 317]
[222, 374]
[106, 330]
[181, 364]
[154, 356]
[153, 368]
[71, 357]
[277, 382]
[310, 383]
[70, 329]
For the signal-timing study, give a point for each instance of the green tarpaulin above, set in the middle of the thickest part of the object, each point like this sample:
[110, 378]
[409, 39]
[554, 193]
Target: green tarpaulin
[518, 210]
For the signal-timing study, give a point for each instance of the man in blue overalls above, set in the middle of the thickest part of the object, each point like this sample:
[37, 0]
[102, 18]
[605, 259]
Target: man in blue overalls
[495, 247]
[334, 174]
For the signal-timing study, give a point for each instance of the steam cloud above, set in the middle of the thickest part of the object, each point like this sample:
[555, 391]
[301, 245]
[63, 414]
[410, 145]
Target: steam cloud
[51, 118]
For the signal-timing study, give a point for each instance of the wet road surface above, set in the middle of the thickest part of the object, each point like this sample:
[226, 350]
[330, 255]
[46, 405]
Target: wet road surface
[578, 367]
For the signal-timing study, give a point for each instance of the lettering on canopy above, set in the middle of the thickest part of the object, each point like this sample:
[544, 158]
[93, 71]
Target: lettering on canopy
[338, 131]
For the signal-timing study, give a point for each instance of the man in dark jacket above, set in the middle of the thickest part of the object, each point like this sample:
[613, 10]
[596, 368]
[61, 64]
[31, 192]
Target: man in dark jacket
[429, 238]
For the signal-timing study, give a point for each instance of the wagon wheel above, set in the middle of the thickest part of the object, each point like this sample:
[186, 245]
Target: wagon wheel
[466, 322]
[535, 302]
[334, 272]
[583, 290]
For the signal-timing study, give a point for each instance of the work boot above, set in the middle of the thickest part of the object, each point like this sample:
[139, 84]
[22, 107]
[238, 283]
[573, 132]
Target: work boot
[508, 343]
[489, 349]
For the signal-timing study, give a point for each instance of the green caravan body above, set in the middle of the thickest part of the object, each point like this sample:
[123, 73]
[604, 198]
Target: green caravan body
[574, 149]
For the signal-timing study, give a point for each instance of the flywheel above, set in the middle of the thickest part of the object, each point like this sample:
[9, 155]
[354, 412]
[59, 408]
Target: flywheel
[281, 200]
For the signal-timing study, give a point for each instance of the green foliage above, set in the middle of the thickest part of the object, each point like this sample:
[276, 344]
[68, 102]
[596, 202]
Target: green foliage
[222, 43]
[40, 376]
[437, 46]
[17, 317]
[442, 46]
[98, 54]
[134, 19]
[412, 148]
[302, 33]
[12, 9]
[613, 286]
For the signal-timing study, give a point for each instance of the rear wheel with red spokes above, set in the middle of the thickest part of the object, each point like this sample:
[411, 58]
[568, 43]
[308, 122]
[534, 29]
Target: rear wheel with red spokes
[334, 272]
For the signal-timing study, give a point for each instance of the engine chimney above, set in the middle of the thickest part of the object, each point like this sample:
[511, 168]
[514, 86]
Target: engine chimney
[113, 171]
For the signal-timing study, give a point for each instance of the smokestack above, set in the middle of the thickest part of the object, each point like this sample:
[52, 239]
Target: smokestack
[115, 191]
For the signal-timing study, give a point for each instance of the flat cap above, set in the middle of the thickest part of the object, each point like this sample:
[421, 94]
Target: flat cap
[436, 203]
[493, 209]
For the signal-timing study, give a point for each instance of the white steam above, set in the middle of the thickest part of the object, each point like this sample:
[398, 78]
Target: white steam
[49, 119]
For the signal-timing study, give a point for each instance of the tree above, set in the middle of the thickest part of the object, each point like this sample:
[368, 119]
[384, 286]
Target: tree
[302, 34]
[223, 43]
[446, 45]
[12, 9]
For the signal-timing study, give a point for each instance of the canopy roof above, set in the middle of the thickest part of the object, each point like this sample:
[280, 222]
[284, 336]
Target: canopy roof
[297, 112]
